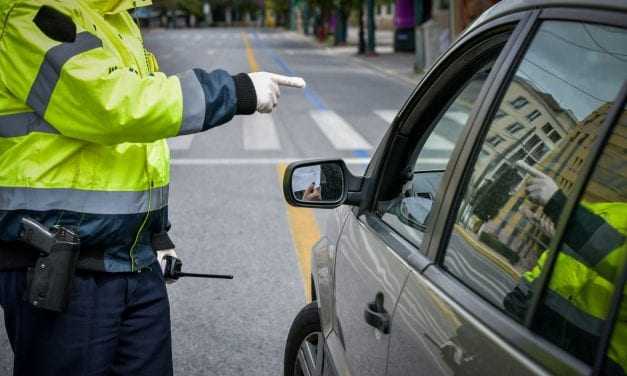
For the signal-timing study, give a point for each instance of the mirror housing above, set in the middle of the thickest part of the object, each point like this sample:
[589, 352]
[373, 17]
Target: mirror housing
[347, 186]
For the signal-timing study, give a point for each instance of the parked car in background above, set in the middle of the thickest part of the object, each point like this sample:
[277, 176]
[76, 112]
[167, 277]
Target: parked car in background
[487, 235]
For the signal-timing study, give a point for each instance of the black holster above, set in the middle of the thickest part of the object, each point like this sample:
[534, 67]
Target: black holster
[49, 281]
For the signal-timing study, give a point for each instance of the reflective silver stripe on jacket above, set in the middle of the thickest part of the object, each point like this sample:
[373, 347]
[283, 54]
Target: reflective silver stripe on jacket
[83, 201]
[574, 315]
[16, 125]
[50, 70]
[566, 309]
[604, 240]
[193, 103]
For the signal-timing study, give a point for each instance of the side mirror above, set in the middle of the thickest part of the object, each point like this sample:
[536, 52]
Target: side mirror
[320, 184]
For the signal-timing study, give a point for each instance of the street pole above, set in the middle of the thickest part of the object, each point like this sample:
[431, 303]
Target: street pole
[371, 28]
[362, 42]
[419, 44]
[292, 25]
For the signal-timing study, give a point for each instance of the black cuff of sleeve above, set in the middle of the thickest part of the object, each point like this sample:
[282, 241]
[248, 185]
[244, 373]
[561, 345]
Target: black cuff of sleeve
[554, 207]
[246, 96]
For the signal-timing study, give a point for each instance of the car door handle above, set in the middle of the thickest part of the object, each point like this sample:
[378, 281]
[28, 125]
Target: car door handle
[376, 316]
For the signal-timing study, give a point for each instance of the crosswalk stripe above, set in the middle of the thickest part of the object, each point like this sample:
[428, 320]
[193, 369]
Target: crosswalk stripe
[338, 131]
[437, 142]
[387, 115]
[260, 133]
[458, 117]
[181, 142]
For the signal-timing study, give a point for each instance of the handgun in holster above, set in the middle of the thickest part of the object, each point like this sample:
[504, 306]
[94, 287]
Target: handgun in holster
[49, 281]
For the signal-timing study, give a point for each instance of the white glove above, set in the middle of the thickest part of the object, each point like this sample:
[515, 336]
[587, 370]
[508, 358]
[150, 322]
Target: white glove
[161, 259]
[539, 186]
[267, 88]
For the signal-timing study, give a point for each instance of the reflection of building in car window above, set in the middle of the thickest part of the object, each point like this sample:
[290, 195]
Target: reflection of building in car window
[506, 223]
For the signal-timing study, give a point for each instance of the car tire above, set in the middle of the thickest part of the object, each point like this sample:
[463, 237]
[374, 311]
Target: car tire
[304, 345]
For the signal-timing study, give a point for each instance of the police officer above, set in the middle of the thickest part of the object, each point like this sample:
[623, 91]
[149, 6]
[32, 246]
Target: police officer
[582, 282]
[84, 114]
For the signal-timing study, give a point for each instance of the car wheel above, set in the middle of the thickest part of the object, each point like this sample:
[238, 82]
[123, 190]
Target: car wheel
[304, 348]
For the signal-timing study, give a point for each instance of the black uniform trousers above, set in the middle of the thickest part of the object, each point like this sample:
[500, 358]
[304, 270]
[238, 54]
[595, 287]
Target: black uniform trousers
[116, 324]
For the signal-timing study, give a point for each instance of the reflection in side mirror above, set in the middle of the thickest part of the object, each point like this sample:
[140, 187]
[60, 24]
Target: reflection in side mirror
[321, 183]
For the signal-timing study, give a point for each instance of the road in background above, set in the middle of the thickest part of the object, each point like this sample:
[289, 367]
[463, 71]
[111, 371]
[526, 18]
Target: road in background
[226, 205]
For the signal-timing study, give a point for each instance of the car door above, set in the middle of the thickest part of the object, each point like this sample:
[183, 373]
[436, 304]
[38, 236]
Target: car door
[489, 304]
[380, 245]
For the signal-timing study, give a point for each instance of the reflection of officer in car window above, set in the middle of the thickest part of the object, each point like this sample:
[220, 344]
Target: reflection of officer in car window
[582, 282]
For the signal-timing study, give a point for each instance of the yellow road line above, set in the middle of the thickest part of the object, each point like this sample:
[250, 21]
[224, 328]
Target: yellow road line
[250, 55]
[305, 233]
[302, 222]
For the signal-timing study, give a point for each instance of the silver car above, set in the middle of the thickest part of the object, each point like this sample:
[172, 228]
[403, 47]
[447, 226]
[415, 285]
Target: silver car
[487, 235]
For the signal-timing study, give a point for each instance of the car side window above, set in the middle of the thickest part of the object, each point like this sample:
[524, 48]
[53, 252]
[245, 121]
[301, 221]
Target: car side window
[593, 252]
[527, 163]
[409, 213]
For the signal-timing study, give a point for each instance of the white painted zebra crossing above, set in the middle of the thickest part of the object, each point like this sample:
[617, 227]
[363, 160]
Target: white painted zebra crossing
[387, 115]
[341, 134]
[260, 133]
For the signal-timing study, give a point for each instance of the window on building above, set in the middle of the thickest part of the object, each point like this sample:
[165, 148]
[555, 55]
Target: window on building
[514, 128]
[519, 102]
[500, 114]
[540, 151]
[555, 137]
[534, 115]
[495, 140]
[532, 142]
[547, 128]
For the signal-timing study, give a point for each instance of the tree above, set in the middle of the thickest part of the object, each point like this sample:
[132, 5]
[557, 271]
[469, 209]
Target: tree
[191, 6]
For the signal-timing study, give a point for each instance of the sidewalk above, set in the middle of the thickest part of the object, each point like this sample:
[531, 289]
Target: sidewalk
[397, 64]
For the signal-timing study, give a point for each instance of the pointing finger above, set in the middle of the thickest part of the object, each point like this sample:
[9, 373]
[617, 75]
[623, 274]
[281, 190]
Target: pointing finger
[528, 169]
[297, 82]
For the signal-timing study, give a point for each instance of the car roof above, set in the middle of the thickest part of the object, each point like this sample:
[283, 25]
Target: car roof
[506, 7]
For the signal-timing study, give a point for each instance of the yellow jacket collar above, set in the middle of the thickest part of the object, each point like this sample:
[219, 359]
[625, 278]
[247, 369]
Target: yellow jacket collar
[117, 6]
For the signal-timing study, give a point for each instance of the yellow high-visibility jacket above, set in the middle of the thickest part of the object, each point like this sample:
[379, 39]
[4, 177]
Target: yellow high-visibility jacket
[83, 120]
[582, 283]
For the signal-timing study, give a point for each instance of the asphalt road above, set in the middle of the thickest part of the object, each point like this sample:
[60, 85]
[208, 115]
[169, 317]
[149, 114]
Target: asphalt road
[226, 204]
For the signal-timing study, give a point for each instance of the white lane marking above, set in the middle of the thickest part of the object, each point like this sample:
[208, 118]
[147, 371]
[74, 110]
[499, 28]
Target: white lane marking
[210, 52]
[250, 161]
[181, 142]
[338, 131]
[260, 133]
[387, 115]
[458, 117]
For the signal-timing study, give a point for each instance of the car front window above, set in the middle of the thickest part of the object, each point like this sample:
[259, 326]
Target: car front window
[410, 212]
